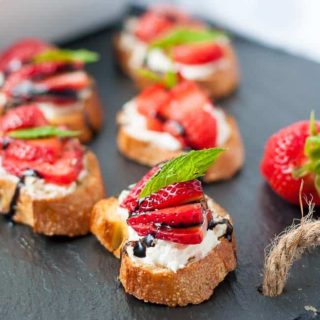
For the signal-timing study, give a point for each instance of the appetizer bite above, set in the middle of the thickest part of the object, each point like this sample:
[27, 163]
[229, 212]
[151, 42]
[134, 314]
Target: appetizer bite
[161, 123]
[48, 180]
[175, 243]
[34, 71]
[169, 40]
[292, 155]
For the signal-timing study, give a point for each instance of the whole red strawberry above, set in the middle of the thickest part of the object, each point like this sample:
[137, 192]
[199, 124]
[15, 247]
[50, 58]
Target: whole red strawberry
[292, 155]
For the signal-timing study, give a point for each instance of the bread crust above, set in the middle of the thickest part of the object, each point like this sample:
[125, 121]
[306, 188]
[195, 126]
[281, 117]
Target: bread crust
[63, 216]
[147, 153]
[219, 85]
[88, 120]
[190, 285]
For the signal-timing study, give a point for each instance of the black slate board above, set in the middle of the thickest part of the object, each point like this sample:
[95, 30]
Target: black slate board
[43, 278]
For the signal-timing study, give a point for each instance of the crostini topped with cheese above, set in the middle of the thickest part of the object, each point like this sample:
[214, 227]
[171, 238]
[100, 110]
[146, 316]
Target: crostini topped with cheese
[34, 71]
[44, 171]
[168, 40]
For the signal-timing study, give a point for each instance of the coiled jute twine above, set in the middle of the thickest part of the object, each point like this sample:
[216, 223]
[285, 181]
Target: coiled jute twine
[286, 248]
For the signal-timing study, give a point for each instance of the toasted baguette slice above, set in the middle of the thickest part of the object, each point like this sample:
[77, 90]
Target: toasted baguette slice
[64, 216]
[220, 84]
[190, 285]
[149, 154]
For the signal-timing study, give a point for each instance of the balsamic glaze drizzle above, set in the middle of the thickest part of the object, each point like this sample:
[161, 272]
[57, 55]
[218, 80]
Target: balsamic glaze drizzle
[13, 203]
[229, 231]
[140, 246]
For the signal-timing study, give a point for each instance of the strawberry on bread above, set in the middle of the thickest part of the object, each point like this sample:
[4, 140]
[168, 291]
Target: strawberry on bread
[36, 72]
[163, 40]
[175, 243]
[292, 155]
[47, 178]
[163, 121]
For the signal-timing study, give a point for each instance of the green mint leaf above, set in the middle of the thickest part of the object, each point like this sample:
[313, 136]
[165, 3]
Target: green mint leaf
[186, 167]
[169, 79]
[185, 35]
[65, 55]
[42, 132]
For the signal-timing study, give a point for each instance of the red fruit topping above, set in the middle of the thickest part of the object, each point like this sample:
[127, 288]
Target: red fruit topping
[152, 100]
[187, 215]
[21, 52]
[185, 97]
[285, 152]
[22, 117]
[172, 195]
[197, 53]
[131, 201]
[152, 25]
[72, 80]
[200, 129]
[47, 150]
[154, 124]
[190, 235]
[62, 170]
[35, 72]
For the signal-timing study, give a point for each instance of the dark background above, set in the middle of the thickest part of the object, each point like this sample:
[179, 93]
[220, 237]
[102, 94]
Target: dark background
[43, 278]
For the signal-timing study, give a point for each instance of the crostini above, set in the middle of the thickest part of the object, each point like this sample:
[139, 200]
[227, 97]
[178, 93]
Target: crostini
[161, 123]
[34, 71]
[175, 243]
[168, 40]
[48, 180]
[292, 155]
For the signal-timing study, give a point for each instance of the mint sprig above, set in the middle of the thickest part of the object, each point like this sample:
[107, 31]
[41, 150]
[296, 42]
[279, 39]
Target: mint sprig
[185, 35]
[66, 55]
[188, 166]
[42, 132]
[169, 79]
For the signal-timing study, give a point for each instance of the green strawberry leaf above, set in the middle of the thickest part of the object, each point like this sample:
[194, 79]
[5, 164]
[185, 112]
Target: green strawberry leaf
[42, 132]
[185, 35]
[186, 167]
[169, 79]
[66, 55]
[313, 124]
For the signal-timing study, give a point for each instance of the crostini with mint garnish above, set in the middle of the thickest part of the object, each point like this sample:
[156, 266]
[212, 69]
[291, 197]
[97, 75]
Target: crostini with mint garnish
[32, 71]
[169, 40]
[175, 243]
[172, 116]
[48, 180]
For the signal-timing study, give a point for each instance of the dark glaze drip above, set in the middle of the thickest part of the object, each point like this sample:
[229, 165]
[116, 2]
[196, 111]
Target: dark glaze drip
[140, 246]
[13, 204]
[229, 231]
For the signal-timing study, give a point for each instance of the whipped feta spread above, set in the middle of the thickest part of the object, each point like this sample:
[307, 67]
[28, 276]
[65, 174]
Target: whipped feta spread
[171, 255]
[38, 189]
[134, 124]
[157, 60]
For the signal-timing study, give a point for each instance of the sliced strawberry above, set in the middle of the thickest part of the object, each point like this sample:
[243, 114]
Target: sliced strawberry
[28, 116]
[131, 201]
[152, 25]
[200, 129]
[197, 53]
[48, 150]
[172, 195]
[185, 97]
[154, 124]
[72, 80]
[152, 99]
[175, 129]
[34, 72]
[190, 235]
[187, 215]
[64, 170]
[20, 52]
